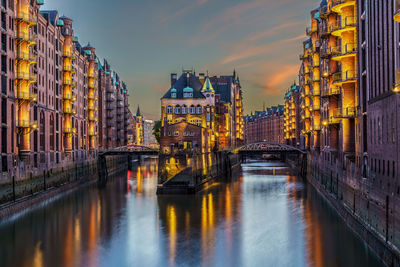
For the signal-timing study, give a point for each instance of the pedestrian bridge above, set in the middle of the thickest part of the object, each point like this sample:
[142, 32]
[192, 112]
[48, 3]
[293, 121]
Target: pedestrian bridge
[130, 150]
[266, 148]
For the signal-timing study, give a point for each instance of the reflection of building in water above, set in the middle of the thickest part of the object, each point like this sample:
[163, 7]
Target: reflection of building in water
[181, 218]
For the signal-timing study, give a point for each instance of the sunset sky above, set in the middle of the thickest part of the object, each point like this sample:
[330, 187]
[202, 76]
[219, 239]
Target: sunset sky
[146, 40]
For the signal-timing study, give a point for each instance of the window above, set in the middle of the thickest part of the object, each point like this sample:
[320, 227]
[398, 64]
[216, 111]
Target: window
[192, 110]
[187, 95]
[184, 109]
[176, 133]
[178, 110]
[173, 95]
[199, 110]
[42, 132]
[51, 132]
[169, 110]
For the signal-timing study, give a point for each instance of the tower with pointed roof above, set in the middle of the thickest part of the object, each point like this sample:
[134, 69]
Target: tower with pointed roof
[139, 127]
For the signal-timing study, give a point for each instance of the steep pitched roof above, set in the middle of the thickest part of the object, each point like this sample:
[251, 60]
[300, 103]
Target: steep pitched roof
[183, 82]
[207, 87]
[138, 113]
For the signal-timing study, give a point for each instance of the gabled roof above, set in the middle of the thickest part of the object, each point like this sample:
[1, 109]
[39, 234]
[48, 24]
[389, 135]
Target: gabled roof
[182, 83]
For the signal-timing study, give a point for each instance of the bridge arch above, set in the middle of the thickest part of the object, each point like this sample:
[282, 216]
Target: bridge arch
[266, 147]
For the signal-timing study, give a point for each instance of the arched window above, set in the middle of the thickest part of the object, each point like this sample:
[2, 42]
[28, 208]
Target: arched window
[177, 109]
[169, 110]
[51, 132]
[192, 109]
[184, 109]
[42, 131]
[199, 109]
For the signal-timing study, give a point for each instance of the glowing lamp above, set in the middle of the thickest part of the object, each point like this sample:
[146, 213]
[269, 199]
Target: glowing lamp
[326, 74]
[325, 123]
[396, 88]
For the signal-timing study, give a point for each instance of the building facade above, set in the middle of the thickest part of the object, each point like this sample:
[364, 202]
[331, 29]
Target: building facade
[265, 126]
[292, 125]
[53, 112]
[349, 86]
[201, 112]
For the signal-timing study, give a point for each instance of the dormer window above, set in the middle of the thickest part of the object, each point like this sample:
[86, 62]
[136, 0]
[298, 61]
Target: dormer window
[188, 92]
[173, 93]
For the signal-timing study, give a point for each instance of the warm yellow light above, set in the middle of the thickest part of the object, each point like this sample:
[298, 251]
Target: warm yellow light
[396, 88]
[326, 74]
[324, 123]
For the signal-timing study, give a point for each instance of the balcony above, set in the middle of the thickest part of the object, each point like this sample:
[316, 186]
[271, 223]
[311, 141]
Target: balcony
[69, 110]
[349, 112]
[27, 37]
[333, 121]
[92, 85]
[110, 116]
[110, 99]
[25, 17]
[332, 91]
[68, 68]
[23, 56]
[70, 130]
[110, 107]
[345, 77]
[311, 30]
[23, 76]
[343, 25]
[69, 96]
[92, 133]
[26, 124]
[337, 5]
[347, 50]
[26, 96]
[315, 63]
[92, 97]
[68, 54]
[92, 75]
[69, 82]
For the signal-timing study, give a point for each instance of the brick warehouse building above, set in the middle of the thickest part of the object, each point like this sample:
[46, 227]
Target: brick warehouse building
[349, 86]
[53, 93]
[265, 126]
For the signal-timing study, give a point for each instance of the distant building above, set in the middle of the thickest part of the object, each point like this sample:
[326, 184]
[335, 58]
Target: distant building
[292, 128]
[265, 126]
[139, 128]
[148, 136]
[201, 112]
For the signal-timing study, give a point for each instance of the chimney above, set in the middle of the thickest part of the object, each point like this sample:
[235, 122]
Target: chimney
[173, 78]
[201, 77]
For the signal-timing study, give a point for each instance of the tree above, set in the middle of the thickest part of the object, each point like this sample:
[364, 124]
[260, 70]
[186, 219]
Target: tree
[157, 130]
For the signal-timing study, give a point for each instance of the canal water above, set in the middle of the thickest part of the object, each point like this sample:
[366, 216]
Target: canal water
[256, 220]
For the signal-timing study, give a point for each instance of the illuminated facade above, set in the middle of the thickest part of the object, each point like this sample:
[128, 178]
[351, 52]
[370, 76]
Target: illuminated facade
[265, 126]
[50, 104]
[292, 116]
[139, 127]
[211, 107]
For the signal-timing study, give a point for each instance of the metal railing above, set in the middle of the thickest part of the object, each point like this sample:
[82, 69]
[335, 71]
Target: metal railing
[26, 17]
[348, 112]
[344, 76]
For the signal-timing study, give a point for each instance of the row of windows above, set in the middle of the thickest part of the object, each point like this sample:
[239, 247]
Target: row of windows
[176, 133]
[383, 167]
[184, 109]
[382, 130]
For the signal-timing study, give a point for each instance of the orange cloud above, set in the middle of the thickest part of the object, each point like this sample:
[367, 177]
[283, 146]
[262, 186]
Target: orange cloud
[246, 51]
[277, 82]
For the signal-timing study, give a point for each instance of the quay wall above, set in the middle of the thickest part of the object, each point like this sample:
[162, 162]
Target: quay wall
[373, 216]
[17, 194]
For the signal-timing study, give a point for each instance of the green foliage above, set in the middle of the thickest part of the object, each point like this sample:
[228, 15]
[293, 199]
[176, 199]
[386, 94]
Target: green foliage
[157, 130]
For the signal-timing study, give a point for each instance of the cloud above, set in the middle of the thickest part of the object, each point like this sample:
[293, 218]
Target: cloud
[245, 51]
[182, 11]
[277, 81]
[273, 31]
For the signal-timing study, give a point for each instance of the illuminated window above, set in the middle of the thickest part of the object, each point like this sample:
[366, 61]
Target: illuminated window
[176, 133]
[178, 110]
[169, 110]
[184, 109]
[192, 109]
[199, 109]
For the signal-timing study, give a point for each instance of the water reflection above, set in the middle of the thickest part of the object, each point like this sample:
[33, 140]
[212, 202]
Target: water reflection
[256, 220]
